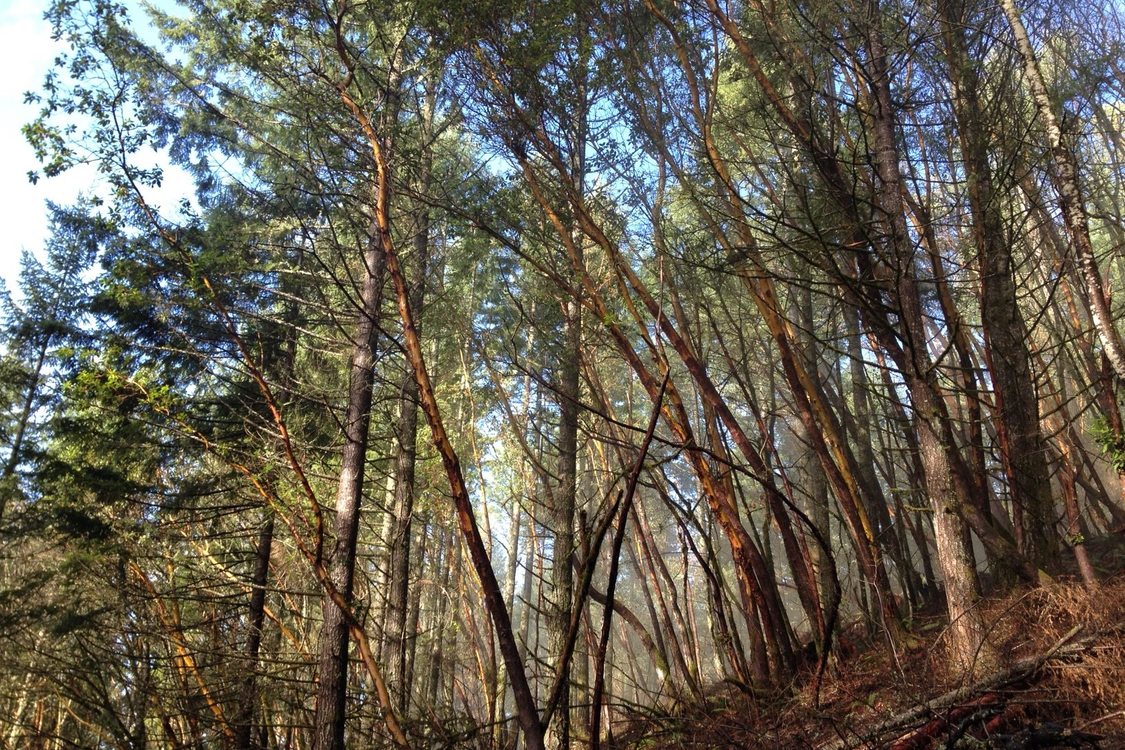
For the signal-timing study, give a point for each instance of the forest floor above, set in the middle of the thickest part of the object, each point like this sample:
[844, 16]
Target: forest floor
[1061, 684]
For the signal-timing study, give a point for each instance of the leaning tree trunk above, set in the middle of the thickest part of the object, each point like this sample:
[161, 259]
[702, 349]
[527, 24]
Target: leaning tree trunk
[1068, 184]
[747, 557]
[939, 452]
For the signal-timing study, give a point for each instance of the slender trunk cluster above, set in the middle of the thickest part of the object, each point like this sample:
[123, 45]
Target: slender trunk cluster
[747, 327]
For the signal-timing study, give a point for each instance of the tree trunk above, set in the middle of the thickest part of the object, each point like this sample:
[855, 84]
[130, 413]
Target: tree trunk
[562, 515]
[971, 652]
[332, 672]
[397, 634]
[1020, 442]
[248, 696]
[1071, 201]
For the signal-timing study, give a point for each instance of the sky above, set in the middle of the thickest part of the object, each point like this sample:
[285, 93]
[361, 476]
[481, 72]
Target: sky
[27, 52]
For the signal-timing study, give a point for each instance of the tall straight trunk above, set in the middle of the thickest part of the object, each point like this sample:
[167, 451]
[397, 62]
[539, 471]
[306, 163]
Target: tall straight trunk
[503, 731]
[445, 545]
[971, 652]
[332, 672]
[519, 426]
[914, 470]
[279, 359]
[493, 598]
[414, 613]
[397, 634]
[562, 515]
[1021, 447]
[528, 713]
[964, 372]
[564, 499]
[248, 694]
[1071, 200]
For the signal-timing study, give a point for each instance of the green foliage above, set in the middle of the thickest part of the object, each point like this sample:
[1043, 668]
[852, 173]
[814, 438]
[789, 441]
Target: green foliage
[1111, 442]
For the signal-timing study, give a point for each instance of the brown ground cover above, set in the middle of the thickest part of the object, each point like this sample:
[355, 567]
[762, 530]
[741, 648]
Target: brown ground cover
[1062, 684]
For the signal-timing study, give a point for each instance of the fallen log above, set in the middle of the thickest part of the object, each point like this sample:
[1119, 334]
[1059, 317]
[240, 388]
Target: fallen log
[932, 710]
[922, 737]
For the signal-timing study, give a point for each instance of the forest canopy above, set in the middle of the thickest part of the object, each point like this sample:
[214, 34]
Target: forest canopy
[525, 374]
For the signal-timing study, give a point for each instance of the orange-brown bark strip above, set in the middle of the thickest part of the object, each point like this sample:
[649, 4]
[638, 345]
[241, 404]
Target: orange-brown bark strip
[184, 656]
[812, 408]
[798, 557]
[746, 555]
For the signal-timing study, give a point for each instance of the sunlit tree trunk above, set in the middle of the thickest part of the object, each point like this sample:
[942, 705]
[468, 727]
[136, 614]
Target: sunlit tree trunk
[937, 447]
[1071, 198]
